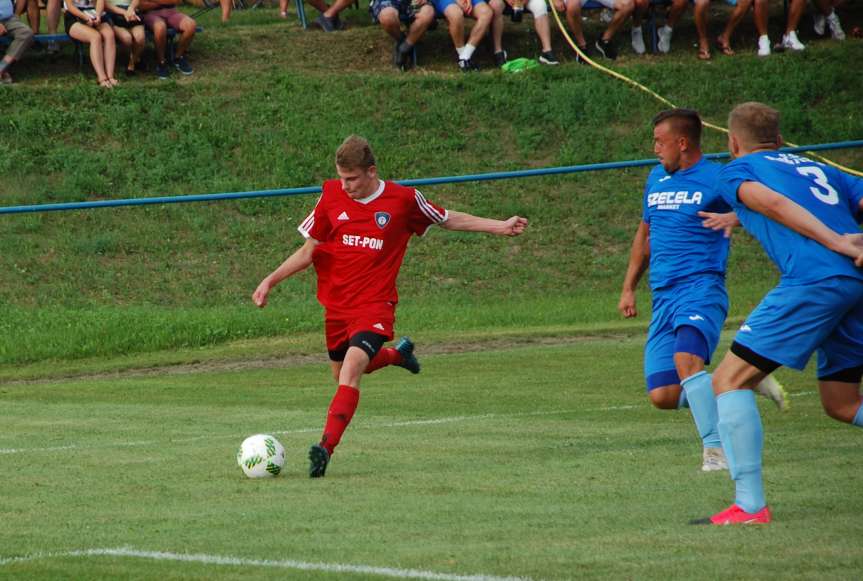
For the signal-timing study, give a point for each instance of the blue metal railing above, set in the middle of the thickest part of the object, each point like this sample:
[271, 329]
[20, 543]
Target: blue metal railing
[504, 175]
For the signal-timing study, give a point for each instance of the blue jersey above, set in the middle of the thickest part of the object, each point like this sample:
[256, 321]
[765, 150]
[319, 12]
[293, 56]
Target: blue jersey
[679, 245]
[830, 195]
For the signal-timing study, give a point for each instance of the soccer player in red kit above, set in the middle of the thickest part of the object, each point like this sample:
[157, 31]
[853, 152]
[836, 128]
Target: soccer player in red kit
[356, 237]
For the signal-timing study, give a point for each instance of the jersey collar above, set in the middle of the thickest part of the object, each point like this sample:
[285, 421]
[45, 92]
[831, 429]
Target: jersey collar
[374, 196]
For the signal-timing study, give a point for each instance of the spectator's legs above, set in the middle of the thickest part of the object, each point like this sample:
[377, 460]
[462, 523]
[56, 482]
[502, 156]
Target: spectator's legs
[389, 20]
[320, 5]
[53, 9]
[124, 38]
[724, 39]
[421, 23]
[573, 19]
[109, 50]
[641, 7]
[87, 35]
[543, 31]
[139, 41]
[283, 8]
[22, 38]
[483, 14]
[795, 11]
[678, 7]
[762, 12]
[187, 33]
[337, 7]
[227, 6]
[455, 23]
[701, 12]
[33, 15]
[497, 24]
[623, 9]
[160, 39]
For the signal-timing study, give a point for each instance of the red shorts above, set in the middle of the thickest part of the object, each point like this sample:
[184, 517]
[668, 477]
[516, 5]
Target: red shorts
[341, 325]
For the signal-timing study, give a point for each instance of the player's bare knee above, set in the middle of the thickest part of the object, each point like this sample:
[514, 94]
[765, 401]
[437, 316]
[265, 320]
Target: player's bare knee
[666, 397]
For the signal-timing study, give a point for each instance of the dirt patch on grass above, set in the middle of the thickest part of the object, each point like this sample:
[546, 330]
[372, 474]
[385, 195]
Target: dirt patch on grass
[297, 359]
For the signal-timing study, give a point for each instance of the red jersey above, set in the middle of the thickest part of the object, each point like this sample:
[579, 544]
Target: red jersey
[363, 242]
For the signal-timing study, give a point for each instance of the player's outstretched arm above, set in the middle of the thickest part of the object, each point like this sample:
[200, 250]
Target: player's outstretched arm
[296, 262]
[726, 221]
[468, 223]
[639, 258]
[777, 207]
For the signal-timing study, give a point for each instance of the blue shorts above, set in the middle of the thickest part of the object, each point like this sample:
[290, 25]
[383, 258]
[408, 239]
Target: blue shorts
[403, 7]
[792, 322]
[441, 5]
[700, 302]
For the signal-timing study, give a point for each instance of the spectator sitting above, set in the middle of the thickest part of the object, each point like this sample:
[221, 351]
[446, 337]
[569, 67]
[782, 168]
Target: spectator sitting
[789, 39]
[417, 15]
[128, 28]
[158, 16]
[605, 45]
[83, 21]
[52, 7]
[328, 20]
[539, 9]
[454, 12]
[22, 37]
[827, 15]
[723, 41]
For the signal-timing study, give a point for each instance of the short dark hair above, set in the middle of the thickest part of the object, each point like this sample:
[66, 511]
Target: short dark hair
[685, 122]
[355, 153]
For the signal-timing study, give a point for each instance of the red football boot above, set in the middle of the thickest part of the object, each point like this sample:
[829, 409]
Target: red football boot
[734, 515]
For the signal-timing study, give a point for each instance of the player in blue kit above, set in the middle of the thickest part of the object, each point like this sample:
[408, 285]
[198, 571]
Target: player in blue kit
[805, 214]
[687, 277]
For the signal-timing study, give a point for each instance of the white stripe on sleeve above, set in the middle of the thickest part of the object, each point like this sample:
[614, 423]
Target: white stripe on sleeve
[428, 210]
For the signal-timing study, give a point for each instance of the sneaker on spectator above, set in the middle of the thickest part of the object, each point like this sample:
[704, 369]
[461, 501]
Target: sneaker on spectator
[835, 26]
[162, 70]
[6, 78]
[638, 40]
[467, 66]
[791, 42]
[500, 58]
[547, 58]
[764, 45]
[664, 43]
[818, 23]
[182, 65]
[607, 49]
[326, 24]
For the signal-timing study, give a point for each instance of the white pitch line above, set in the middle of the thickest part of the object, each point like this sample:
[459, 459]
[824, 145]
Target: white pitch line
[280, 564]
[400, 424]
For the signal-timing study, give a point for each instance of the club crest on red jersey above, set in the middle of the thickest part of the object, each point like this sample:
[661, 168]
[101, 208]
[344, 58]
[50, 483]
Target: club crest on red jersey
[382, 219]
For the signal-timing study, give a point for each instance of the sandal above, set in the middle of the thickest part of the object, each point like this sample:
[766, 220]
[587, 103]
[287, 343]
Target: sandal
[724, 47]
[704, 54]
[105, 83]
[114, 82]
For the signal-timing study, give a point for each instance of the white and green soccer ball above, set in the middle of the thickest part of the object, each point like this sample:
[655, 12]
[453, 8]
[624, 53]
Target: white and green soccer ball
[261, 456]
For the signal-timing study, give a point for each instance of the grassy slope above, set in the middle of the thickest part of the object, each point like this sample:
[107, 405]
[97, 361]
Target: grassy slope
[566, 473]
[264, 110]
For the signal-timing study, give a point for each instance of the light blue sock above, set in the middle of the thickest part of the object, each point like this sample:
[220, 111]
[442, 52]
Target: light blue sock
[742, 440]
[858, 417]
[702, 404]
[682, 402]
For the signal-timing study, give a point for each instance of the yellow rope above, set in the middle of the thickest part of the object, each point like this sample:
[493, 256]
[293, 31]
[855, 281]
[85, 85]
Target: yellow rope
[659, 97]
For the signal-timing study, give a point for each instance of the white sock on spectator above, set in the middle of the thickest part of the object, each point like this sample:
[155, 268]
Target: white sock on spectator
[468, 51]
[460, 52]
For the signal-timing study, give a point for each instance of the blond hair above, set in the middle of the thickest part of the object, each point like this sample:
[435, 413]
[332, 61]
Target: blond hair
[355, 153]
[755, 124]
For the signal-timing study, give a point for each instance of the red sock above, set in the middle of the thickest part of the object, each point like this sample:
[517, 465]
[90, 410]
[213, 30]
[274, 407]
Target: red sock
[341, 411]
[386, 356]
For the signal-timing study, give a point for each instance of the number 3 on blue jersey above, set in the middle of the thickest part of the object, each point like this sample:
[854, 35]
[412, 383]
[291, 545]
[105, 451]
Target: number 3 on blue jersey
[820, 178]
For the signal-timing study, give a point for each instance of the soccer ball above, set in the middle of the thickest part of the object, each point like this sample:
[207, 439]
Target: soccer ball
[261, 456]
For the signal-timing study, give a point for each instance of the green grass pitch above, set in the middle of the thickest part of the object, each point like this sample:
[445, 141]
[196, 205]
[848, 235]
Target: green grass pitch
[531, 461]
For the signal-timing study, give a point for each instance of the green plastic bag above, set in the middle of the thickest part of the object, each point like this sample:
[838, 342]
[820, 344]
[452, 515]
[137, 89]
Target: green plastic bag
[519, 65]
